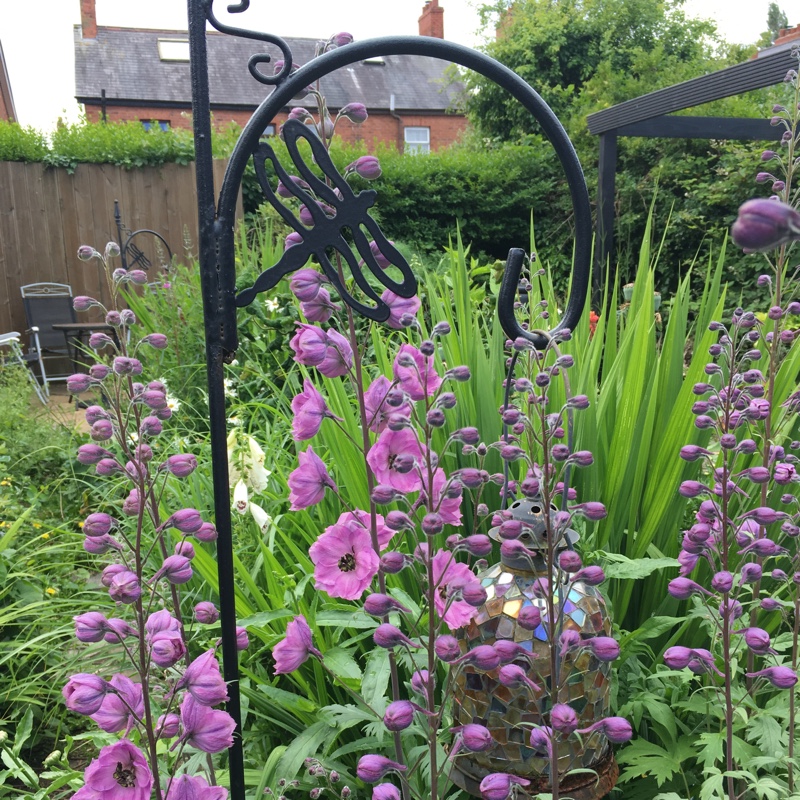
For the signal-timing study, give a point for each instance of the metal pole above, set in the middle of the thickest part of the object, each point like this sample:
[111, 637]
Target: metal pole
[220, 342]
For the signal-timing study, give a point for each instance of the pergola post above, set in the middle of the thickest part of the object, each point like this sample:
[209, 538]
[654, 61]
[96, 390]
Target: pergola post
[606, 178]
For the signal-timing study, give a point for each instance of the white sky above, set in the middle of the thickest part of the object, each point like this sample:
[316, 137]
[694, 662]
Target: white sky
[38, 43]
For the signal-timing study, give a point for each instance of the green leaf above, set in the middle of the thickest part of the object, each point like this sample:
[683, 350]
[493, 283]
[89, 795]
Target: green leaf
[711, 751]
[769, 734]
[712, 788]
[265, 617]
[342, 664]
[647, 759]
[342, 717]
[345, 619]
[304, 746]
[288, 700]
[622, 567]
[375, 682]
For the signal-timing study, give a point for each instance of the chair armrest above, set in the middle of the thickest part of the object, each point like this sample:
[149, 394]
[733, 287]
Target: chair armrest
[33, 329]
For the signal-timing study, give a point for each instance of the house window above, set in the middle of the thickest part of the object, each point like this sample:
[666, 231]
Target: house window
[173, 49]
[417, 140]
[269, 130]
[147, 124]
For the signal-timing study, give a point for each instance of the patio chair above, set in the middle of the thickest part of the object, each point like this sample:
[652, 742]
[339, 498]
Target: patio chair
[15, 355]
[47, 304]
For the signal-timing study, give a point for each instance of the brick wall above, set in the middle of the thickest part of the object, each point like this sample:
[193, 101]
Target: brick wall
[379, 127]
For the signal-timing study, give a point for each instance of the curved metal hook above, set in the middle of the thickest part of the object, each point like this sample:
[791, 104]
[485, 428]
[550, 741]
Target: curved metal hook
[258, 58]
[489, 68]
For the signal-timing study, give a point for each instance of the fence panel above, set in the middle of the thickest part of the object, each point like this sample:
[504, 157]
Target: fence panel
[46, 213]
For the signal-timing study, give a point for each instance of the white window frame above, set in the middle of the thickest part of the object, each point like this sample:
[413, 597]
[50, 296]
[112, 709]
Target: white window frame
[173, 50]
[420, 140]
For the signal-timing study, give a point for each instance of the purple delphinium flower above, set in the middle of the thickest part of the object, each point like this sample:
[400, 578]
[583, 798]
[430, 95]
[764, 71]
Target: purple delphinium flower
[764, 224]
[320, 308]
[338, 358]
[114, 714]
[344, 561]
[309, 481]
[305, 283]
[400, 308]
[206, 613]
[202, 679]
[393, 459]
[309, 410]
[416, 373]
[90, 627]
[189, 787]
[295, 648]
[120, 772]
[779, 677]
[616, 729]
[84, 693]
[207, 729]
[449, 574]
[309, 344]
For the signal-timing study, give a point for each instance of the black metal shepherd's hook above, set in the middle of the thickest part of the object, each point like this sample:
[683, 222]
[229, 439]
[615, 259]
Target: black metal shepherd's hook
[216, 239]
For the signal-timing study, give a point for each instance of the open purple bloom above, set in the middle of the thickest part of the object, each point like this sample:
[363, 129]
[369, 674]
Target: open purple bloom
[344, 561]
[400, 308]
[115, 715]
[393, 459]
[338, 357]
[295, 648]
[309, 481]
[188, 787]
[124, 586]
[450, 575]
[359, 519]
[207, 729]
[320, 308]
[375, 403]
[416, 373]
[120, 772]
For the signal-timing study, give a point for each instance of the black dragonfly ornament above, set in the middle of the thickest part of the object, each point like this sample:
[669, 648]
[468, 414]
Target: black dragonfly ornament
[334, 210]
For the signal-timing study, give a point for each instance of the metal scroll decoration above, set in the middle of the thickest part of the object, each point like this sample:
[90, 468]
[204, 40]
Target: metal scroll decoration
[345, 211]
[216, 216]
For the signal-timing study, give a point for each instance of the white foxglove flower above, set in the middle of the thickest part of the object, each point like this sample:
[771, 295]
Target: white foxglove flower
[263, 520]
[240, 498]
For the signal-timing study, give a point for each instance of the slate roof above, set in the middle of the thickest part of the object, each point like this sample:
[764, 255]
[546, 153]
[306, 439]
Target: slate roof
[125, 62]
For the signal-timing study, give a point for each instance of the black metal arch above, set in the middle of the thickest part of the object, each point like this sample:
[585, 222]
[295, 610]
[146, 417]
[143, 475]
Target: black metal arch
[216, 239]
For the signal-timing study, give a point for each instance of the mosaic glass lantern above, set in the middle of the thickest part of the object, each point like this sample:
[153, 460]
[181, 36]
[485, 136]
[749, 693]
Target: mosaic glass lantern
[510, 714]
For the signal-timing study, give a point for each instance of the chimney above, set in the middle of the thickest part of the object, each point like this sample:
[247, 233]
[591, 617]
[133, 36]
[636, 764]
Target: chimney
[786, 35]
[88, 19]
[431, 23]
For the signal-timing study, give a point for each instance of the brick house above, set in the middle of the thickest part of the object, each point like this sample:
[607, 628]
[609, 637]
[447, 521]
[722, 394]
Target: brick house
[139, 74]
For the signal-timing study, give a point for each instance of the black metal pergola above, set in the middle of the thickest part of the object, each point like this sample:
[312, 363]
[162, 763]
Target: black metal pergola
[650, 116]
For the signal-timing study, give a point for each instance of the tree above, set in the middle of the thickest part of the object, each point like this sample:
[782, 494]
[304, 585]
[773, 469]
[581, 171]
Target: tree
[572, 51]
[776, 19]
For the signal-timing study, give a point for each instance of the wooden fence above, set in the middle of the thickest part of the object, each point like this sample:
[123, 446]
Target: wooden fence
[46, 214]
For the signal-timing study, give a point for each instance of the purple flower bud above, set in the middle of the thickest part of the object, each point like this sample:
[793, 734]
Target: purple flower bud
[156, 340]
[181, 465]
[107, 466]
[399, 521]
[356, 113]
[722, 581]
[591, 575]
[372, 768]
[692, 489]
[150, 426]
[84, 693]
[187, 520]
[367, 167]
[731, 608]
[778, 575]
[206, 613]
[460, 374]
[591, 510]
[447, 648]
[529, 618]
[97, 545]
[78, 383]
[684, 588]
[206, 533]
[90, 627]
[167, 726]
[98, 524]
[751, 572]
[398, 715]
[379, 605]
[764, 225]
[154, 398]
[563, 719]
[86, 253]
[474, 594]
[677, 657]
[176, 569]
[514, 677]
[779, 677]
[392, 562]
[604, 648]
[419, 681]
[102, 430]
[770, 604]
[476, 738]
[616, 729]
[431, 523]
[388, 636]
[757, 639]
[477, 545]
[124, 587]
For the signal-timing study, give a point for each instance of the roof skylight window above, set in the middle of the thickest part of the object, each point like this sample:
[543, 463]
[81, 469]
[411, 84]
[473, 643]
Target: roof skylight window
[173, 49]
